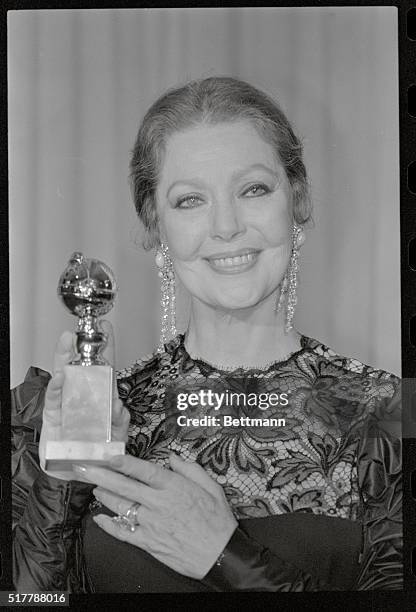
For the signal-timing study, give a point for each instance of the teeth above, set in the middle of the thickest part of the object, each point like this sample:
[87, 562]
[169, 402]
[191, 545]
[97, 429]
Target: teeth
[234, 261]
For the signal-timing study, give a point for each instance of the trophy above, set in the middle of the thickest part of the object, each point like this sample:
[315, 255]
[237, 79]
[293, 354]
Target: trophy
[88, 289]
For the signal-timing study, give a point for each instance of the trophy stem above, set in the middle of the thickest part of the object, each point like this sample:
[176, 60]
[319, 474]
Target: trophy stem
[91, 341]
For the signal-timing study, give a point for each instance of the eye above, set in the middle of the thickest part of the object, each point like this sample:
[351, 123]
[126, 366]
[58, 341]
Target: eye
[189, 201]
[256, 190]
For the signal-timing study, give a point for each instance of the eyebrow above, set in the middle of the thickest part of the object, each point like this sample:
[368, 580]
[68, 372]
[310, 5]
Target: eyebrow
[236, 175]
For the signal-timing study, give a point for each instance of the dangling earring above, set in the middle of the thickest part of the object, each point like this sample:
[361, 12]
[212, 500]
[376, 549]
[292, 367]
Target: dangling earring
[289, 282]
[283, 291]
[167, 298]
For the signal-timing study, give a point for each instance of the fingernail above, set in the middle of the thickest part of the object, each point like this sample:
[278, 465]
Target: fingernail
[81, 469]
[116, 461]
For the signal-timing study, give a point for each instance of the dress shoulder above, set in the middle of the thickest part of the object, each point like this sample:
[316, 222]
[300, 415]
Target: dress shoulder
[350, 364]
[358, 389]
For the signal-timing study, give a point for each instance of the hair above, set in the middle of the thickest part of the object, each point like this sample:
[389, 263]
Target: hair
[211, 101]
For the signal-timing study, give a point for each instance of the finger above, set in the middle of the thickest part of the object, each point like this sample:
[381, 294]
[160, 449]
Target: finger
[195, 472]
[121, 505]
[119, 484]
[64, 351]
[54, 388]
[52, 406]
[119, 414]
[120, 420]
[137, 537]
[150, 473]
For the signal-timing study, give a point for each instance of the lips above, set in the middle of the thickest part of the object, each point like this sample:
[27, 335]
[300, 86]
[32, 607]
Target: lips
[236, 261]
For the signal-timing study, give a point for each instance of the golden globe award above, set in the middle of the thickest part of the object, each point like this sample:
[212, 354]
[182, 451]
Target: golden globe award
[88, 289]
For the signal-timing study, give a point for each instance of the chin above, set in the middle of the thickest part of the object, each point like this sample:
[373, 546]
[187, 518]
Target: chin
[237, 302]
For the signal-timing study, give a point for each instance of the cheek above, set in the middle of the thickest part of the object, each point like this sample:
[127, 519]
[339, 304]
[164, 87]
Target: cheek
[183, 235]
[279, 233]
[275, 225]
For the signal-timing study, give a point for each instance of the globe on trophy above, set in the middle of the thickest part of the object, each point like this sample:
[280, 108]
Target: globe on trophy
[88, 290]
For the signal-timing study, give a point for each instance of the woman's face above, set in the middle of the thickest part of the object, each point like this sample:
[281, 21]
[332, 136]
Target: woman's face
[225, 211]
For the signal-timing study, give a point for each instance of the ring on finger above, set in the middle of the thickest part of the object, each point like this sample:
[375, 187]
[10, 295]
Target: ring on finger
[131, 513]
[128, 520]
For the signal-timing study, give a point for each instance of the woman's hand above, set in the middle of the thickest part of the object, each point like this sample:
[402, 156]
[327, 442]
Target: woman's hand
[184, 518]
[52, 413]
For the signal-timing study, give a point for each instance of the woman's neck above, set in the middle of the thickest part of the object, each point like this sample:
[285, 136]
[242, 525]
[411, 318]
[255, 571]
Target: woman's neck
[250, 337]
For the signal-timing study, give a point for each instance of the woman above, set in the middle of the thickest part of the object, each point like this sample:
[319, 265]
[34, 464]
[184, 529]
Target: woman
[309, 502]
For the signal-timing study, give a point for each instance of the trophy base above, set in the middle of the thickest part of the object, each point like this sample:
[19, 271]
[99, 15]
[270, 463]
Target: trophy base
[60, 455]
[86, 403]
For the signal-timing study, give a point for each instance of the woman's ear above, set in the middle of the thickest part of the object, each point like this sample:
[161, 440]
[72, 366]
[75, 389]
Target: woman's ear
[301, 237]
[301, 204]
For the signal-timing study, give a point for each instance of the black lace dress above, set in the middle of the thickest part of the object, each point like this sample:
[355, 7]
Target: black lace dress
[316, 493]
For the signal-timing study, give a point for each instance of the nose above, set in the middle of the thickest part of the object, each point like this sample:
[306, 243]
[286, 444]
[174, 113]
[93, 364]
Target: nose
[226, 221]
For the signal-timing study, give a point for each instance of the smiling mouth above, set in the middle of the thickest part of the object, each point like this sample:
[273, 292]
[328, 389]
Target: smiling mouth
[238, 263]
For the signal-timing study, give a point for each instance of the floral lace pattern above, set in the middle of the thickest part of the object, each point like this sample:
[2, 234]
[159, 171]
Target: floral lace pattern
[309, 465]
